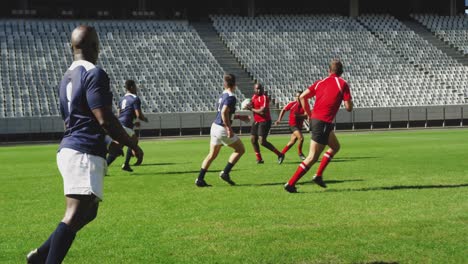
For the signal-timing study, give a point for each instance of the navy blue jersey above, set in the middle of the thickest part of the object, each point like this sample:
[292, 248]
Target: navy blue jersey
[84, 87]
[229, 99]
[127, 106]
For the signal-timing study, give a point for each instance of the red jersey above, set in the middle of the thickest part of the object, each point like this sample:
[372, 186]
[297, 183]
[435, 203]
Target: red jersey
[329, 93]
[295, 108]
[259, 101]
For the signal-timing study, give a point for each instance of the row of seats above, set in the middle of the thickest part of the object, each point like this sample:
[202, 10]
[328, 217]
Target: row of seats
[382, 57]
[164, 57]
[452, 29]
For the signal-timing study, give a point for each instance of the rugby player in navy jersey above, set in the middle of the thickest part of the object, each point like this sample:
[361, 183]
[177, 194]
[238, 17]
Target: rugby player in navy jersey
[129, 110]
[86, 107]
[222, 134]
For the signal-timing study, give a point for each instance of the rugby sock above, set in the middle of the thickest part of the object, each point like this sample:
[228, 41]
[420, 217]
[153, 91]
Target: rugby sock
[128, 156]
[43, 250]
[60, 243]
[258, 155]
[327, 157]
[228, 167]
[286, 148]
[202, 173]
[277, 152]
[301, 170]
[110, 159]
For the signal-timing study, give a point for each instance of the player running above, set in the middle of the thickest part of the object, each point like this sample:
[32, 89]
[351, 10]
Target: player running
[86, 108]
[221, 133]
[296, 121]
[329, 93]
[129, 111]
[262, 124]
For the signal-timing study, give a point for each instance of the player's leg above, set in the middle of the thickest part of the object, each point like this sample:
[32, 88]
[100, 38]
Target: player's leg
[290, 143]
[314, 153]
[334, 145]
[128, 156]
[214, 151]
[239, 150]
[254, 141]
[264, 129]
[300, 139]
[81, 209]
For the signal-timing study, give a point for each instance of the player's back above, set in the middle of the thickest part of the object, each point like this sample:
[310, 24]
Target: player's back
[329, 93]
[84, 87]
[229, 99]
[127, 105]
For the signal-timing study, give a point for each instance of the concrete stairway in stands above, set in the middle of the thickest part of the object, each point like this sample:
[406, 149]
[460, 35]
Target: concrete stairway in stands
[224, 57]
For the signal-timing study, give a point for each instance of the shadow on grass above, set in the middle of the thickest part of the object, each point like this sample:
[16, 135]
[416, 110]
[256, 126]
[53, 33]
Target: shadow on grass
[338, 159]
[401, 187]
[157, 164]
[300, 183]
[382, 262]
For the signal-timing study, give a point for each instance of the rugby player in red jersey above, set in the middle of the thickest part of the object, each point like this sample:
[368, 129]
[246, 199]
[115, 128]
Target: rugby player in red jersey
[329, 93]
[296, 122]
[262, 124]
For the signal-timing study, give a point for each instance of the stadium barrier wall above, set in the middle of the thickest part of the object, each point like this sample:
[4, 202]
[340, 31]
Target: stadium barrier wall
[174, 124]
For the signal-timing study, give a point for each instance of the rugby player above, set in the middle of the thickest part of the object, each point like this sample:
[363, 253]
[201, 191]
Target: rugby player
[221, 133]
[296, 121]
[329, 93]
[86, 108]
[262, 124]
[129, 111]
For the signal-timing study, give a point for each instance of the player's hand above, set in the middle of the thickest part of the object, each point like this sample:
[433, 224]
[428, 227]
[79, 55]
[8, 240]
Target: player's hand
[115, 149]
[230, 132]
[244, 118]
[277, 122]
[138, 153]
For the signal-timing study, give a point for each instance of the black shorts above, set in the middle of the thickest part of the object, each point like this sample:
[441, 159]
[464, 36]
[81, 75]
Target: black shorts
[261, 129]
[320, 131]
[294, 128]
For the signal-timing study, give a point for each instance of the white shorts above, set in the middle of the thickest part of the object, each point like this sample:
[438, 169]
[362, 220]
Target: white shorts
[82, 173]
[219, 136]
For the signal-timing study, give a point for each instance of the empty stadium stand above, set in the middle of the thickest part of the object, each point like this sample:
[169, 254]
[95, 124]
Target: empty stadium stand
[170, 63]
[387, 64]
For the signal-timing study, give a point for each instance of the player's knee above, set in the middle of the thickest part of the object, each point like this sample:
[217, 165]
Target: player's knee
[263, 142]
[241, 151]
[92, 215]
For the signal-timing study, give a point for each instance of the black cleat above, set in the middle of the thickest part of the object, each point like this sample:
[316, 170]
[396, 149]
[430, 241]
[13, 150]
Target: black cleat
[290, 189]
[201, 183]
[225, 177]
[260, 161]
[319, 181]
[302, 157]
[281, 158]
[34, 258]
[127, 168]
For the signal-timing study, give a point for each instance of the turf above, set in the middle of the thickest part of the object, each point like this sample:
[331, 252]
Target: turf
[393, 197]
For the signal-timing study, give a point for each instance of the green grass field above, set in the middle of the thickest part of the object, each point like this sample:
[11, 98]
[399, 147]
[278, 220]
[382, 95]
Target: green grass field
[392, 197]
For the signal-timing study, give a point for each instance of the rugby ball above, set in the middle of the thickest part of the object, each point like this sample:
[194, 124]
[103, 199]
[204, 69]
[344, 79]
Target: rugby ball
[247, 103]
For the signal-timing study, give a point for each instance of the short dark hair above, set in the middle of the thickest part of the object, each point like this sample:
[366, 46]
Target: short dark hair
[230, 79]
[260, 86]
[299, 92]
[129, 84]
[336, 67]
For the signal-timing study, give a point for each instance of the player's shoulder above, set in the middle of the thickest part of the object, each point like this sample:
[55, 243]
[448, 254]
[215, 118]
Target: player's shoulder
[97, 72]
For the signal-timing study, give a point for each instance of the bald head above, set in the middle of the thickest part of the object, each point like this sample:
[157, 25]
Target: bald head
[336, 67]
[85, 43]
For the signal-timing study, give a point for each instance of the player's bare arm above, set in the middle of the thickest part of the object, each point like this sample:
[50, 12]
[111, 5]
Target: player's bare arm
[349, 105]
[225, 115]
[114, 129]
[304, 98]
[280, 117]
[260, 111]
[139, 114]
[243, 118]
